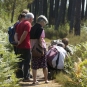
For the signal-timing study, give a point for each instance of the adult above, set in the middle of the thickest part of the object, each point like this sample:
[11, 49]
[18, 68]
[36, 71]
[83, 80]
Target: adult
[22, 36]
[55, 59]
[37, 32]
[66, 43]
[59, 51]
[21, 17]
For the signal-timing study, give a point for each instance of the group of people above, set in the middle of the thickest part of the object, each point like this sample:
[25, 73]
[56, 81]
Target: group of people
[25, 40]
[25, 37]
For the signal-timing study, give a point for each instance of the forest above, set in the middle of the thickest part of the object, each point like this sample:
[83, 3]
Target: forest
[67, 18]
[59, 12]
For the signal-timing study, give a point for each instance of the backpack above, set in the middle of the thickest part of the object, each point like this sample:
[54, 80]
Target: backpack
[51, 54]
[11, 33]
[37, 50]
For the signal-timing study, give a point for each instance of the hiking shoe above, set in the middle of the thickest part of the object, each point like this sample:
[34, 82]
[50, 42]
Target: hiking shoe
[27, 80]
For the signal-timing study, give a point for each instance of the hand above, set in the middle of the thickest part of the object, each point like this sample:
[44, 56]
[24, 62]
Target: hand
[14, 43]
[19, 43]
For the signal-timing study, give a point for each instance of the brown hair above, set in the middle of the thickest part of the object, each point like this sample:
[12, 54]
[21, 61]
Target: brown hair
[22, 15]
[25, 11]
[65, 41]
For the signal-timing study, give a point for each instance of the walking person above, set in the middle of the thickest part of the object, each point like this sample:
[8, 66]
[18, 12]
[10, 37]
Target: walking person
[37, 32]
[22, 37]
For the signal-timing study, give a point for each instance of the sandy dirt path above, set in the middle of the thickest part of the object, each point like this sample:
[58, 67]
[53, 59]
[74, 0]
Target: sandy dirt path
[40, 78]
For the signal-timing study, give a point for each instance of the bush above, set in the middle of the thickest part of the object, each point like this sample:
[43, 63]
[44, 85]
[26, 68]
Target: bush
[8, 63]
[76, 68]
[61, 32]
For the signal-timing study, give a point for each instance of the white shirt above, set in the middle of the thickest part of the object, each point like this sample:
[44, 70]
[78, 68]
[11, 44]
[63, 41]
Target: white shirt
[62, 56]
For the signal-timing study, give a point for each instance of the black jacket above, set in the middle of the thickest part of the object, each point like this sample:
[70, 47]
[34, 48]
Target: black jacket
[36, 31]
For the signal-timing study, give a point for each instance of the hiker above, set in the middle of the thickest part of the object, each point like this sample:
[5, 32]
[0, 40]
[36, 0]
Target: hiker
[22, 37]
[67, 48]
[21, 17]
[37, 33]
[55, 57]
[65, 41]
[25, 11]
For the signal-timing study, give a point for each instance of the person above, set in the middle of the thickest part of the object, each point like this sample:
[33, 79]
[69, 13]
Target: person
[22, 37]
[25, 11]
[21, 17]
[55, 58]
[37, 32]
[66, 43]
[67, 48]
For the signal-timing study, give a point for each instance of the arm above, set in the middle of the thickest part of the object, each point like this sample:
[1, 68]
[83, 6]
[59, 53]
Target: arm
[16, 37]
[23, 36]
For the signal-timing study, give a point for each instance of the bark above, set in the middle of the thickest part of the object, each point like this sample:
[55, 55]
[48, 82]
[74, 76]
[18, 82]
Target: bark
[45, 8]
[60, 14]
[69, 9]
[12, 15]
[82, 12]
[77, 18]
[56, 10]
[72, 16]
[86, 11]
[51, 12]
[40, 7]
[64, 12]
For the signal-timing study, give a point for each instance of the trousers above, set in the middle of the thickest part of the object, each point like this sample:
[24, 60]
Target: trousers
[24, 63]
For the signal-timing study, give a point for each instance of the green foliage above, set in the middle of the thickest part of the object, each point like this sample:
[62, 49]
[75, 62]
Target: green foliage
[51, 33]
[78, 39]
[75, 68]
[61, 32]
[7, 68]
[8, 62]
[4, 25]
[6, 8]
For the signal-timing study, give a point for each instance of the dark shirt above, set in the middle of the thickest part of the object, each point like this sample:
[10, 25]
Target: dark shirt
[36, 31]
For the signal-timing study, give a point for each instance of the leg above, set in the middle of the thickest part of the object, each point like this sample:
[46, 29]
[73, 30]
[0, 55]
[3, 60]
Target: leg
[34, 72]
[27, 58]
[19, 72]
[45, 71]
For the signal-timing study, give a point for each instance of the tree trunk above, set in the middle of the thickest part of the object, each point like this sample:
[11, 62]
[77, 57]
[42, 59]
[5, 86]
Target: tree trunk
[45, 7]
[40, 7]
[69, 9]
[60, 14]
[56, 10]
[72, 16]
[29, 6]
[13, 8]
[35, 13]
[77, 18]
[86, 11]
[64, 12]
[82, 12]
[51, 12]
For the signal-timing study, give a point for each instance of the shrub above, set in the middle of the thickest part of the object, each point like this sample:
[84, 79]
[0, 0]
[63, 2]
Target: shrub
[61, 32]
[8, 62]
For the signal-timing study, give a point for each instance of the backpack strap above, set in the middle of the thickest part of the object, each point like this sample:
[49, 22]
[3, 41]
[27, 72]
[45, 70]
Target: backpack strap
[57, 61]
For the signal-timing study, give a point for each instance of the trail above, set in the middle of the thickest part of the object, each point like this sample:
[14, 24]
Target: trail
[42, 83]
[40, 78]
